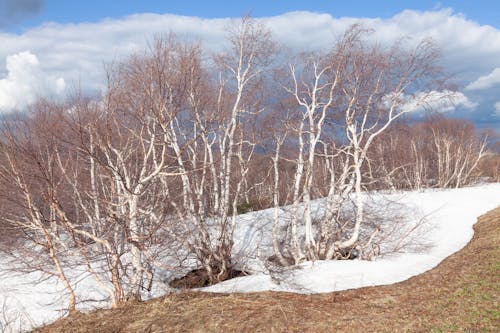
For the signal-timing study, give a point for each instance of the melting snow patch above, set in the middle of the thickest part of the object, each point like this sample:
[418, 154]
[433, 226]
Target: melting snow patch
[450, 215]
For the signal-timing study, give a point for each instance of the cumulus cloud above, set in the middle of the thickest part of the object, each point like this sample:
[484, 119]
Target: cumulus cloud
[25, 81]
[78, 52]
[439, 101]
[88, 45]
[486, 81]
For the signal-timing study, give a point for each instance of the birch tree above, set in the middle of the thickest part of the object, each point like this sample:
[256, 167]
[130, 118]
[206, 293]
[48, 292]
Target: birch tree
[436, 152]
[221, 143]
[129, 143]
[346, 98]
[31, 185]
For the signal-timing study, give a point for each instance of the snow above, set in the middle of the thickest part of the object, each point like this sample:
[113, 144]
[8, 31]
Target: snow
[450, 215]
[32, 300]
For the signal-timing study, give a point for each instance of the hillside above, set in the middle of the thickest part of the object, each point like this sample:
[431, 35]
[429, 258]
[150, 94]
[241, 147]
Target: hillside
[461, 294]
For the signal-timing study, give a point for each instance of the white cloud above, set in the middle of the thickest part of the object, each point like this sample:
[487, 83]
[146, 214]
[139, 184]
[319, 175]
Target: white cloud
[458, 99]
[486, 81]
[439, 101]
[78, 52]
[497, 109]
[25, 81]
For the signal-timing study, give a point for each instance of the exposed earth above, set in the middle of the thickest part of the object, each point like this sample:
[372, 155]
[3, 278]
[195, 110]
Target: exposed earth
[462, 294]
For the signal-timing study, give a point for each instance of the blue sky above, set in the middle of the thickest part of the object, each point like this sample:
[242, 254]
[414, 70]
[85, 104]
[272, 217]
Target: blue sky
[37, 12]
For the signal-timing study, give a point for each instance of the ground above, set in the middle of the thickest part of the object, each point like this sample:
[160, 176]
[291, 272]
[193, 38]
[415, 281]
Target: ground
[462, 294]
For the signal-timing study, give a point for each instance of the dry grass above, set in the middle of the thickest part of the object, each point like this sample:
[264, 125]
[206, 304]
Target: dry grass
[462, 294]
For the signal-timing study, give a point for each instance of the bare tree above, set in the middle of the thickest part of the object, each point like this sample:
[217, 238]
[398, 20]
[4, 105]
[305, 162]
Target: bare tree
[345, 99]
[128, 148]
[436, 152]
[457, 151]
[161, 164]
[490, 164]
[99, 190]
[221, 144]
[31, 181]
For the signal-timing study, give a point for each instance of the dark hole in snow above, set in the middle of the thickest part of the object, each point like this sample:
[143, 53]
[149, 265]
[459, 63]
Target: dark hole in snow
[340, 254]
[198, 278]
[347, 254]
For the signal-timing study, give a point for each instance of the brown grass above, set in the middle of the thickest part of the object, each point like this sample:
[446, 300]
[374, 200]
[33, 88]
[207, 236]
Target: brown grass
[462, 294]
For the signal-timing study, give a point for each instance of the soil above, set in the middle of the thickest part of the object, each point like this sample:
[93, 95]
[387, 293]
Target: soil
[198, 278]
[462, 294]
